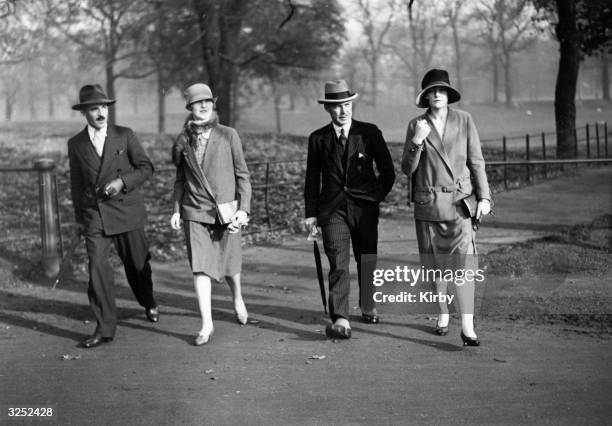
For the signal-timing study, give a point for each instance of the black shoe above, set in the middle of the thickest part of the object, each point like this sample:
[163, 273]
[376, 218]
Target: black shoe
[95, 340]
[469, 341]
[152, 314]
[441, 331]
[370, 319]
[334, 331]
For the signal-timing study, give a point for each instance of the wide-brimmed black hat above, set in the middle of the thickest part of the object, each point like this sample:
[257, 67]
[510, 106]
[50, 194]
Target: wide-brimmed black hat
[92, 94]
[436, 78]
[337, 92]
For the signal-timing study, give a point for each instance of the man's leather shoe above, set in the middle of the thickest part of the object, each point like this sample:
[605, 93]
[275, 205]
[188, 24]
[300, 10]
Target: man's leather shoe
[334, 331]
[95, 340]
[370, 319]
[152, 314]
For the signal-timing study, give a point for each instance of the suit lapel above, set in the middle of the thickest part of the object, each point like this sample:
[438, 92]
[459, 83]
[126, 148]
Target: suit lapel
[354, 140]
[450, 133]
[436, 141]
[211, 149]
[330, 146]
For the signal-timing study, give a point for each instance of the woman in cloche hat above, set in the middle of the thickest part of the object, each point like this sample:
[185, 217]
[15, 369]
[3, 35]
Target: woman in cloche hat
[212, 198]
[442, 153]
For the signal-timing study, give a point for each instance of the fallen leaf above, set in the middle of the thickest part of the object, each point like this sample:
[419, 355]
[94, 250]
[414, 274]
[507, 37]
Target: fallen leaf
[70, 357]
[499, 360]
[209, 371]
[316, 357]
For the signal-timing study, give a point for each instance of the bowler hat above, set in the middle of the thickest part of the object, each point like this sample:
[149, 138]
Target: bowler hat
[337, 92]
[436, 78]
[92, 94]
[196, 93]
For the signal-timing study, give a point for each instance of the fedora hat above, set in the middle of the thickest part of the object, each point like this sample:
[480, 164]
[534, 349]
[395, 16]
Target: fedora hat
[92, 94]
[198, 92]
[337, 92]
[436, 78]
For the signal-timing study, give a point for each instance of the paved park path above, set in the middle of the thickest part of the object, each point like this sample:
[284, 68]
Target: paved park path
[280, 368]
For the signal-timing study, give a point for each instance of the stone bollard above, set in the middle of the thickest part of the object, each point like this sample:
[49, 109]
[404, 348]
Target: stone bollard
[49, 232]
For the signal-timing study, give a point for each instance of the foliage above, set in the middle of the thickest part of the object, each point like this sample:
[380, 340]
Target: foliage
[593, 22]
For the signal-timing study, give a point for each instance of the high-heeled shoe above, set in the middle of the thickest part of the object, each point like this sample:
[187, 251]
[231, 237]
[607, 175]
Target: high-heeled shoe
[469, 341]
[203, 338]
[441, 331]
[242, 316]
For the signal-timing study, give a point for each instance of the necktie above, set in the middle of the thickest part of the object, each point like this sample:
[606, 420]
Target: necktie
[98, 142]
[342, 138]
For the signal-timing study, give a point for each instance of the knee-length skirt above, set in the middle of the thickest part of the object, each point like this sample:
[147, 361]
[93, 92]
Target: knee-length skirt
[212, 250]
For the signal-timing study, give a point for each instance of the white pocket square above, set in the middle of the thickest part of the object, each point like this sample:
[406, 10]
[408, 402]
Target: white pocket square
[360, 155]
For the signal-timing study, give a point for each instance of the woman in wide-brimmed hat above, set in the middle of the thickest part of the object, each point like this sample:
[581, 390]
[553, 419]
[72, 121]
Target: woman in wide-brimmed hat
[450, 193]
[212, 197]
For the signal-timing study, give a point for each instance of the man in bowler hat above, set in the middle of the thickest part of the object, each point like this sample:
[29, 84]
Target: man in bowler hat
[342, 196]
[107, 168]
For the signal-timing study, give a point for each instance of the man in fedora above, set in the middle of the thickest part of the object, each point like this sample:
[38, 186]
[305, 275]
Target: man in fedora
[107, 168]
[342, 196]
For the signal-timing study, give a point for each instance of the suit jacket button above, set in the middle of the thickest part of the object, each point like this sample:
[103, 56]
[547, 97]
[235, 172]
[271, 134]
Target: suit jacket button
[118, 170]
[346, 188]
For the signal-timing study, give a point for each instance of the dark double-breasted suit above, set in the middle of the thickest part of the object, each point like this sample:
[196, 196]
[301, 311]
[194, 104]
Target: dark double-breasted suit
[343, 192]
[119, 220]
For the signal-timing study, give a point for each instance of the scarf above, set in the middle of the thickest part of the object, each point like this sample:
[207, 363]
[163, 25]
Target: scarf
[195, 130]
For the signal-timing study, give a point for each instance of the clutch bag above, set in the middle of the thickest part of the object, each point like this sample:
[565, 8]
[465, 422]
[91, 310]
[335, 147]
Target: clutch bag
[225, 211]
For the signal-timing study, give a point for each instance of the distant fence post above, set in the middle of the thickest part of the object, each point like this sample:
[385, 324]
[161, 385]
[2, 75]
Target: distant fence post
[505, 153]
[606, 137]
[544, 153]
[527, 150]
[588, 141]
[597, 138]
[268, 219]
[49, 231]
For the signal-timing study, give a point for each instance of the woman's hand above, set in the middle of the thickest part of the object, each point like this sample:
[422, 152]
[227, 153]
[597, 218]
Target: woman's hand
[421, 131]
[483, 208]
[175, 221]
[240, 219]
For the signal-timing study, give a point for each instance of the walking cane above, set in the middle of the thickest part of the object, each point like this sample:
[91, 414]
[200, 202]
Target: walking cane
[67, 258]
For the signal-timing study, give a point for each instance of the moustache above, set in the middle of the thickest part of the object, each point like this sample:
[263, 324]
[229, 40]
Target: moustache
[100, 118]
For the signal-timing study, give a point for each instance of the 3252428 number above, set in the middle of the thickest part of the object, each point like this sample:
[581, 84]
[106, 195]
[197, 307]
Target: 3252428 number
[30, 411]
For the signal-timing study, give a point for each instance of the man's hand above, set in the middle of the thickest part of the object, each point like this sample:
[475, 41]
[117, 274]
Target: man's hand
[421, 131]
[310, 223]
[175, 221]
[113, 188]
[483, 208]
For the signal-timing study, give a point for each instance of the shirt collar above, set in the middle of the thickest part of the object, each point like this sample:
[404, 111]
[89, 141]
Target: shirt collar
[91, 130]
[346, 128]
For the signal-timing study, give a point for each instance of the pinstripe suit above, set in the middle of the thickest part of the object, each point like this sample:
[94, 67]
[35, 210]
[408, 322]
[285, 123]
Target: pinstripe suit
[119, 220]
[343, 192]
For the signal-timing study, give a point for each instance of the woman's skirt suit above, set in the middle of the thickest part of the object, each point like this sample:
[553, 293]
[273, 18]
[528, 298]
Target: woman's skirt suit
[212, 250]
[448, 177]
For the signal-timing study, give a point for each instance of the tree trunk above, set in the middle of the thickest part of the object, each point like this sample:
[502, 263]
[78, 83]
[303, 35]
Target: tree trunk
[567, 76]
[277, 109]
[605, 76]
[374, 75]
[31, 95]
[50, 96]
[458, 78]
[495, 79]
[110, 90]
[161, 103]
[507, 79]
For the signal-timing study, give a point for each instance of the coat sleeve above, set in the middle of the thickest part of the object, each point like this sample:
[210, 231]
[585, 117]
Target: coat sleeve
[412, 151]
[142, 168]
[312, 186]
[475, 161]
[241, 173]
[384, 163]
[179, 180]
[76, 183]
